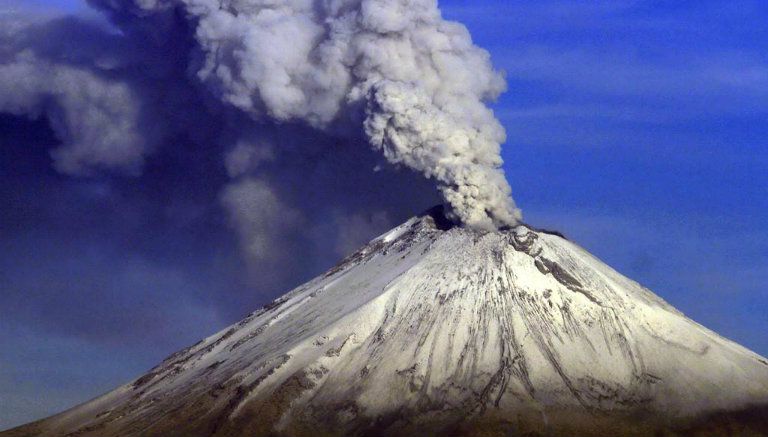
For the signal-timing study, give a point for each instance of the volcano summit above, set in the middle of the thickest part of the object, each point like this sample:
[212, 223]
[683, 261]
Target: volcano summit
[432, 329]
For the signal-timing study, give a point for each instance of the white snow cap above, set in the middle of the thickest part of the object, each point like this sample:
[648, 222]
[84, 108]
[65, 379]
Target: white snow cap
[413, 82]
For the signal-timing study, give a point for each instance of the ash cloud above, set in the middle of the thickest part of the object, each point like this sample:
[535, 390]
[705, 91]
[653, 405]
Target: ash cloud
[96, 119]
[415, 82]
[303, 113]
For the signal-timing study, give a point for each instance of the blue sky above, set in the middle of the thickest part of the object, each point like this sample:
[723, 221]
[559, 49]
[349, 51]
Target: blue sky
[637, 128]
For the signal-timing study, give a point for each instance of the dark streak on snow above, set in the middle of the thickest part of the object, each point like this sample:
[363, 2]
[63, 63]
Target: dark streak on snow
[242, 392]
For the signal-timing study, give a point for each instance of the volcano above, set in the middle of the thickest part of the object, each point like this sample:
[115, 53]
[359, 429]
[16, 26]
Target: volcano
[435, 329]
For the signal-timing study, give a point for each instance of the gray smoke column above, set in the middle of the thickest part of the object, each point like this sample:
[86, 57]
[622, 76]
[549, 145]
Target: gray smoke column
[391, 71]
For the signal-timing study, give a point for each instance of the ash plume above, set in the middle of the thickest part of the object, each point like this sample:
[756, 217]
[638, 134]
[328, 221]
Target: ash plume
[313, 110]
[416, 82]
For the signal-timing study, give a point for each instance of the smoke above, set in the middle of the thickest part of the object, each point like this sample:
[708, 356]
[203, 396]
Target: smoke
[96, 120]
[322, 114]
[414, 81]
[261, 220]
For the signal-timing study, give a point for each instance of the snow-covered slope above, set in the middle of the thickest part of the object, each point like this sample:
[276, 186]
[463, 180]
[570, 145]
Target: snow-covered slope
[438, 329]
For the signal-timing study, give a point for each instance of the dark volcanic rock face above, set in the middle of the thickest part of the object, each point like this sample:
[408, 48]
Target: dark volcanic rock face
[432, 329]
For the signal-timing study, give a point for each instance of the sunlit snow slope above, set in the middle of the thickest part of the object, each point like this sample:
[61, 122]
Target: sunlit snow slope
[433, 329]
